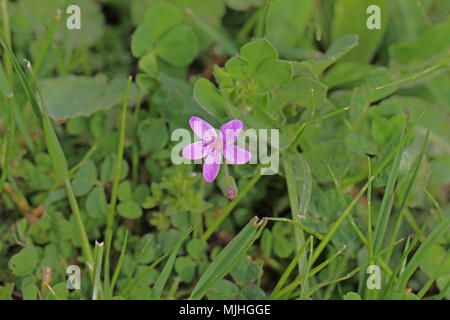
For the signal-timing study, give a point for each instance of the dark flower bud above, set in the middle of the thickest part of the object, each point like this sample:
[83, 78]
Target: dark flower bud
[229, 187]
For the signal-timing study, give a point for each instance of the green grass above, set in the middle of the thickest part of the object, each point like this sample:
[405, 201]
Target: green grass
[87, 176]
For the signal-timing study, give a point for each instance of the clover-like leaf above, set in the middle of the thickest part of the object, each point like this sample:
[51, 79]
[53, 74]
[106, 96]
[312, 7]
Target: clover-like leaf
[178, 46]
[84, 179]
[24, 262]
[129, 209]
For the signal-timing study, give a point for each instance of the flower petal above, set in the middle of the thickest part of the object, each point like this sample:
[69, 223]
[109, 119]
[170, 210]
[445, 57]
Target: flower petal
[202, 129]
[212, 166]
[235, 154]
[230, 131]
[194, 151]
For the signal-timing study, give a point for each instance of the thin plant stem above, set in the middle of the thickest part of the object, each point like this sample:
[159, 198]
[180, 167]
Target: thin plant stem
[7, 34]
[115, 188]
[231, 206]
[8, 147]
[294, 203]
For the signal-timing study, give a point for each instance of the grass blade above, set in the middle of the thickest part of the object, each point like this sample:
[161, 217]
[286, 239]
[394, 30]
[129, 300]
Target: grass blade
[432, 278]
[53, 147]
[226, 259]
[436, 204]
[9, 142]
[289, 269]
[400, 265]
[347, 211]
[398, 222]
[296, 283]
[139, 277]
[440, 230]
[118, 267]
[383, 216]
[231, 206]
[294, 203]
[112, 205]
[97, 269]
[165, 273]
[23, 80]
[7, 33]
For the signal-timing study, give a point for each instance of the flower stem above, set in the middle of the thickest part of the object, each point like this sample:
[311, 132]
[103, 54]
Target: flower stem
[231, 206]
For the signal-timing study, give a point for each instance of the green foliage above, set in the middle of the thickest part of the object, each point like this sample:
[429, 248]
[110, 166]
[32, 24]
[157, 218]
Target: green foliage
[363, 149]
[73, 96]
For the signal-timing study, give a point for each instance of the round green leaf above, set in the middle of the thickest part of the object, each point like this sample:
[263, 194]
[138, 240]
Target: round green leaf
[125, 192]
[185, 267]
[96, 203]
[24, 262]
[84, 179]
[178, 47]
[129, 209]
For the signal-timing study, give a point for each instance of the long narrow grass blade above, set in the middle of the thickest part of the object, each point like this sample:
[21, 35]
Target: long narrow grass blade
[351, 273]
[7, 33]
[433, 277]
[296, 283]
[400, 265]
[8, 142]
[294, 203]
[347, 211]
[383, 216]
[435, 202]
[231, 206]
[415, 171]
[97, 269]
[124, 293]
[226, 259]
[289, 269]
[53, 146]
[311, 251]
[23, 79]
[112, 205]
[440, 230]
[119, 266]
[165, 273]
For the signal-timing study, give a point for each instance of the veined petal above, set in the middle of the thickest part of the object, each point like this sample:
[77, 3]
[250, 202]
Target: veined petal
[211, 166]
[235, 154]
[202, 129]
[230, 131]
[194, 151]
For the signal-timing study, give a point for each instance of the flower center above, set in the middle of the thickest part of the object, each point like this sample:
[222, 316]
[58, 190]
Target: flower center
[214, 144]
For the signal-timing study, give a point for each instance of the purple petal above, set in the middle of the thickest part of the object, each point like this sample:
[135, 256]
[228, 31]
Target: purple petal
[202, 129]
[235, 154]
[212, 166]
[230, 131]
[194, 151]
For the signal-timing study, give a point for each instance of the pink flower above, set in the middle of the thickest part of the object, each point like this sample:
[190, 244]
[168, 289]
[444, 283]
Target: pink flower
[213, 146]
